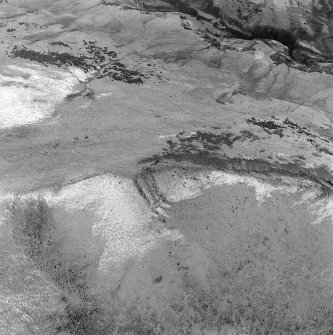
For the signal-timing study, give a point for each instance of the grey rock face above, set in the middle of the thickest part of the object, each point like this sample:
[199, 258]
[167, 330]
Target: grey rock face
[306, 27]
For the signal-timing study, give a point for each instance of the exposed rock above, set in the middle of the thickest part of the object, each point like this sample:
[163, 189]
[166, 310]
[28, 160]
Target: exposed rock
[305, 27]
[166, 167]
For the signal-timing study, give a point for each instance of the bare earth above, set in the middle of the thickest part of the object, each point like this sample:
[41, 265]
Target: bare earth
[166, 167]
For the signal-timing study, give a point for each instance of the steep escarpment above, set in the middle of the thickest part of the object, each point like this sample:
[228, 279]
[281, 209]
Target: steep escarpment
[209, 149]
[304, 27]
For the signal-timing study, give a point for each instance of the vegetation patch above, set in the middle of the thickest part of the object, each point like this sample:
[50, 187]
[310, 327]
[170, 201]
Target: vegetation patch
[270, 127]
[95, 59]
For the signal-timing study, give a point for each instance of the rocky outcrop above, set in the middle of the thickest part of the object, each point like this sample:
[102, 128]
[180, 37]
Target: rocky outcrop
[304, 26]
[177, 181]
